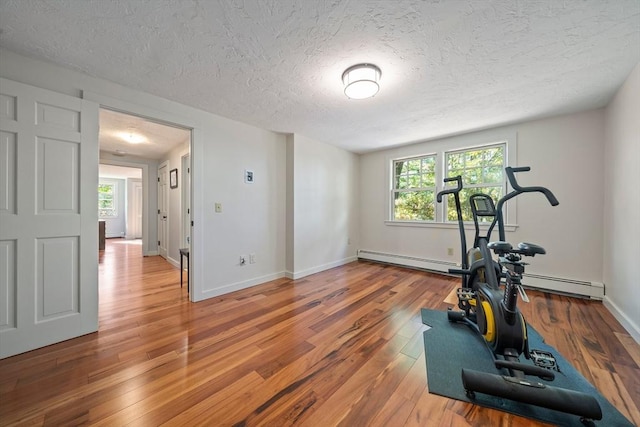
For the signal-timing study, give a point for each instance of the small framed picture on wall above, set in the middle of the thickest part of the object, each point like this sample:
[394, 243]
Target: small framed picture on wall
[173, 178]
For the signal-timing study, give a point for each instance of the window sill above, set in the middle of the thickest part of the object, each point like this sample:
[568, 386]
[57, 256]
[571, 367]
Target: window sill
[425, 224]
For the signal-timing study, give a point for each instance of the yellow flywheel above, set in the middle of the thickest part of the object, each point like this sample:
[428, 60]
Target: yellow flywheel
[490, 334]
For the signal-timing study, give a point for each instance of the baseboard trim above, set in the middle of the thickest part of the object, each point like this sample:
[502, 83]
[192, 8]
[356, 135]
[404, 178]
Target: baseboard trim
[408, 261]
[593, 290]
[628, 324]
[238, 286]
[300, 274]
[173, 262]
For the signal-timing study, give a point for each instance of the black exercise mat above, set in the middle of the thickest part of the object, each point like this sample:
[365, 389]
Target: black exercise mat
[449, 347]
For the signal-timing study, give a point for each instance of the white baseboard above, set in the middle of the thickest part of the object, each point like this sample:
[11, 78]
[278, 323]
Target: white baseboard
[151, 253]
[173, 262]
[210, 293]
[593, 290]
[300, 274]
[408, 261]
[628, 324]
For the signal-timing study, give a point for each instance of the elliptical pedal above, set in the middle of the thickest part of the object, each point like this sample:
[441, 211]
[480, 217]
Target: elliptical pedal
[544, 359]
[465, 294]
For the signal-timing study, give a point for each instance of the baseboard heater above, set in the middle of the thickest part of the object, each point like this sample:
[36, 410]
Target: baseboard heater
[593, 290]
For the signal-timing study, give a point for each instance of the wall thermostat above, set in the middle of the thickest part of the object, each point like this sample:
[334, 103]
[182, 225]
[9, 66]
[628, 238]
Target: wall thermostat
[248, 176]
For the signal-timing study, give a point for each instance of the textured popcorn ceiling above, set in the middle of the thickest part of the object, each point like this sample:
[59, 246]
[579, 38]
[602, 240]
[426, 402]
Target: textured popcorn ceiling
[448, 66]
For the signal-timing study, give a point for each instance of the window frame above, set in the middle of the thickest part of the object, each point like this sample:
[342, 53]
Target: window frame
[440, 148]
[114, 184]
[418, 189]
[502, 186]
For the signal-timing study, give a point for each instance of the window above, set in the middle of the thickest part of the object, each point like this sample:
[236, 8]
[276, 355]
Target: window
[107, 199]
[482, 171]
[415, 181]
[414, 189]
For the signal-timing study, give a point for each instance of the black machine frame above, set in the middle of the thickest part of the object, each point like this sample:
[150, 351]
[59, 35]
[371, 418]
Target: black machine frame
[492, 311]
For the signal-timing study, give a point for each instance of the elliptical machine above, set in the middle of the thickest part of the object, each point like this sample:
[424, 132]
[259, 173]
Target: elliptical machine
[493, 313]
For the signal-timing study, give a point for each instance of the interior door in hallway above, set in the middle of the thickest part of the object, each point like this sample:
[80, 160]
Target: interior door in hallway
[48, 217]
[163, 209]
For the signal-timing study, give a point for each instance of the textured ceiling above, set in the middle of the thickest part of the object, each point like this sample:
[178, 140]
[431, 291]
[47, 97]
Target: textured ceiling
[152, 140]
[447, 66]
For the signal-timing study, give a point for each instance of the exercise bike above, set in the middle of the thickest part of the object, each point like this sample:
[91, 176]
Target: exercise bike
[493, 312]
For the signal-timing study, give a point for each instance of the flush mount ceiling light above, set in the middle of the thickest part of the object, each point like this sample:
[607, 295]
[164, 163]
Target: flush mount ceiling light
[132, 137]
[361, 81]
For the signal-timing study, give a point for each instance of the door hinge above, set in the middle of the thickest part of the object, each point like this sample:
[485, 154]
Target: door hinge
[158, 179]
[192, 223]
[158, 211]
[188, 170]
[188, 210]
[158, 242]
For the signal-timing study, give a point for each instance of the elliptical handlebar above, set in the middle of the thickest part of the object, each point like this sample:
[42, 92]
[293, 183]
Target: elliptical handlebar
[517, 190]
[463, 239]
[517, 187]
[456, 190]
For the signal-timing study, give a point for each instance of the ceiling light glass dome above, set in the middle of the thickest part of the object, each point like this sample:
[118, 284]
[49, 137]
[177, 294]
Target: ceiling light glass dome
[361, 81]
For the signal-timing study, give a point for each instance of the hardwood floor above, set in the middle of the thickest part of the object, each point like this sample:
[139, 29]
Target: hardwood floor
[341, 347]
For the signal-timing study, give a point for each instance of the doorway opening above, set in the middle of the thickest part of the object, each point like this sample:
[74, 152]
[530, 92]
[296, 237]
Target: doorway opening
[120, 201]
[135, 142]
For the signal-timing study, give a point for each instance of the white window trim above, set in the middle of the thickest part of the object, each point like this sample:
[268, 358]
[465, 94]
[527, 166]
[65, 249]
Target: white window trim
[460, 143]
[116, 208]
[392, 186]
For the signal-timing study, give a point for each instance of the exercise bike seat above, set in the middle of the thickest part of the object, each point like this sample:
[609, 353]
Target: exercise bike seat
[500, 247]
[529, 249]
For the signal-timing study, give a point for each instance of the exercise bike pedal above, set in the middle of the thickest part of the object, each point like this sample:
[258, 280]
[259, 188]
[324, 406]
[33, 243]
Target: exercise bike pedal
[544, 359]
[465, 294]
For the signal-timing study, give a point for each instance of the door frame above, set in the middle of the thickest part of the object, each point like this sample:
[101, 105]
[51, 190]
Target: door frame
[146, 250]
[164, 189]
[185, 201]
[196, 140]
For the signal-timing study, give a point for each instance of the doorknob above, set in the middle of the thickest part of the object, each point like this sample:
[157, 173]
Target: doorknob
[164, 217]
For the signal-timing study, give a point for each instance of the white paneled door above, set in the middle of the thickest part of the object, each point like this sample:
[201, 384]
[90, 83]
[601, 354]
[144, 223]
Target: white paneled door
[48, 217]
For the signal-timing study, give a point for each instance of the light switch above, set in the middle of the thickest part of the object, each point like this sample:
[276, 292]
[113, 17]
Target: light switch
[248, 176]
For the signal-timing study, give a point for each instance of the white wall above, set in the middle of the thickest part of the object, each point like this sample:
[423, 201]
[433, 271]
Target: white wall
[323, 205]
[622, 204]
[565, 155]
[252, 220]
[253, 217]
[174, 217]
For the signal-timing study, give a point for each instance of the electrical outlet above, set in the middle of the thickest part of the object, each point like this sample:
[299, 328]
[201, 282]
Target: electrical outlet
[252, 258]
[450, 251]
[218, 207]
[243, 260]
